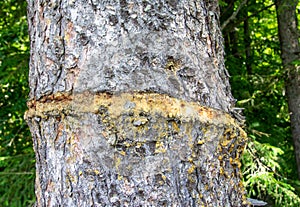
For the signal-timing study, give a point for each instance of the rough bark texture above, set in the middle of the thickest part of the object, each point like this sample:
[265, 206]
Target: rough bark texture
[130, 104]
[169, 47]
[290, 50]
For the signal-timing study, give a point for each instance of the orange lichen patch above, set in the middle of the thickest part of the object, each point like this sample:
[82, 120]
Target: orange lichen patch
[191, 169]
[235, 161]
[175, 126]
[173, 64]
[69, 34]
[200, 142]
[160, 148]
[60, 129]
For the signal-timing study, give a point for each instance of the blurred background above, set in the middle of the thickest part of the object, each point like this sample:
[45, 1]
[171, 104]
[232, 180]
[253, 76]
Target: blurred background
[257, 79]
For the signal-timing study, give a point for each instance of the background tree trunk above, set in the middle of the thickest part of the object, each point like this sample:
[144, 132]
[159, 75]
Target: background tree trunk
[130, 104]
[290, 50]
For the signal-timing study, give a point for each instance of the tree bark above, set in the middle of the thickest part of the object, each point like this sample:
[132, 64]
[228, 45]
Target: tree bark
[290, 50]
[130, 105]
[247, 43]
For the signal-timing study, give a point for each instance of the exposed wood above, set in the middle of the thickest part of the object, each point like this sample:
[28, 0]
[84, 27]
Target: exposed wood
[135, 149]
[130, 105]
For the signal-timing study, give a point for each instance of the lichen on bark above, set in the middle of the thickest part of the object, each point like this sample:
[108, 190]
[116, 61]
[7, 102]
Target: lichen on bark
[129, 105]
[121, 46]
[137, 149]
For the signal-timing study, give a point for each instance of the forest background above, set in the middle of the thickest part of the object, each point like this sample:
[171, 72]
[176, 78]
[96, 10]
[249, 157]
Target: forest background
[253, 60]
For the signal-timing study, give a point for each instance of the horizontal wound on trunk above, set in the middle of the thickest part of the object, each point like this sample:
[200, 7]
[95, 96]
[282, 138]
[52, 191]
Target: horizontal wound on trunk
[126, 103]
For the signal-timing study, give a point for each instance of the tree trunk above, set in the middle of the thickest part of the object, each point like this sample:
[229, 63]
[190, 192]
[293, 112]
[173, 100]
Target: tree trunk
[290, 50]
[247, 42]
[130, 104]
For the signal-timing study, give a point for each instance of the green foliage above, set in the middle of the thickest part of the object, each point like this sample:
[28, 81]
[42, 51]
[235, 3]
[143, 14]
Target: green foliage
[16, 154]
[269, 166]
[264, 175]
[17, 180]
[222, 3]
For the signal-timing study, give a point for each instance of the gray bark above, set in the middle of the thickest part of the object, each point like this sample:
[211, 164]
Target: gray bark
[290, 50]
[172, 48]
[129, 105]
